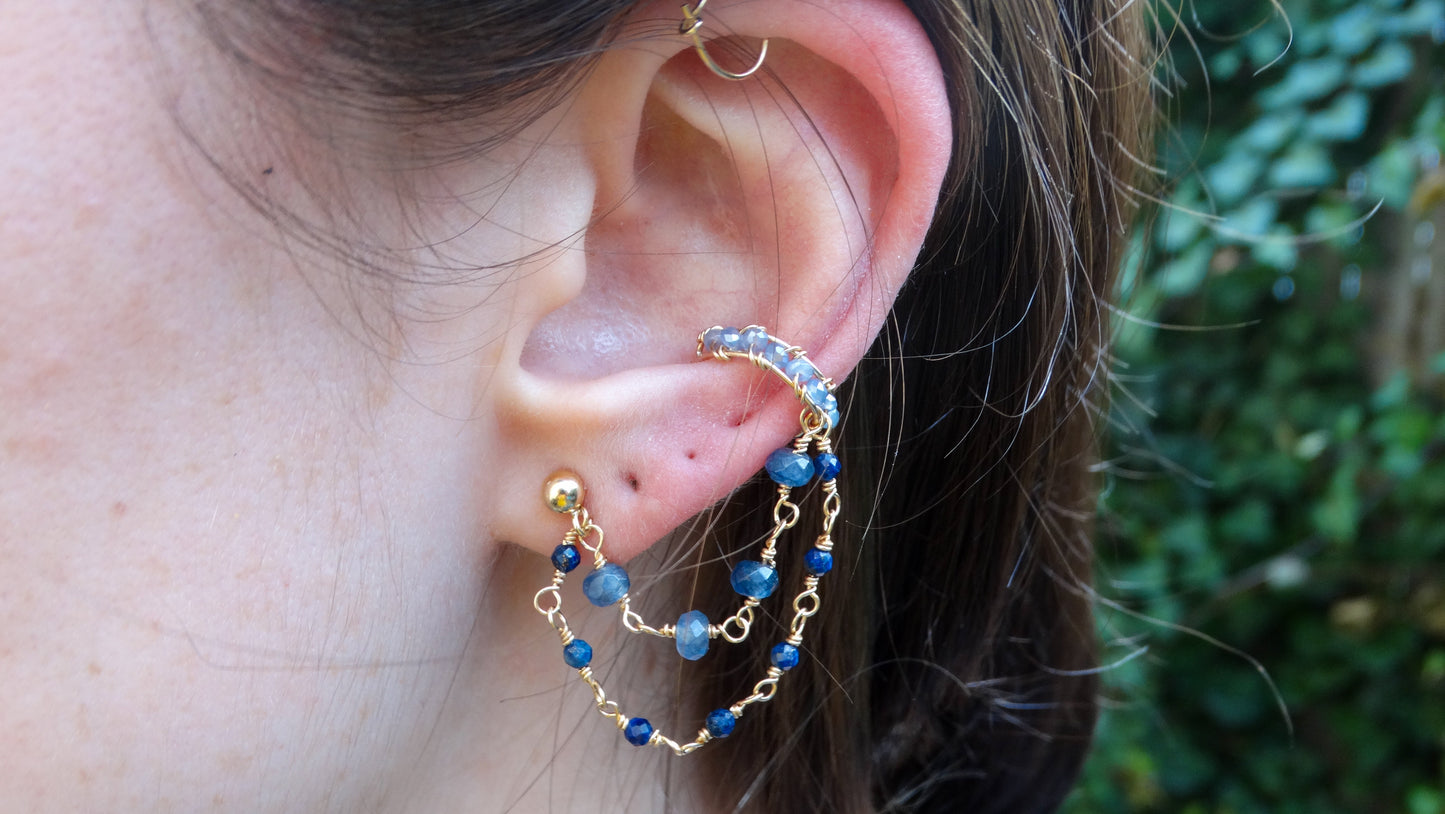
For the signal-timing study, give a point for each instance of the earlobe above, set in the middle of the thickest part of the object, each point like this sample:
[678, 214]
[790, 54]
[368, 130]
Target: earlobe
[796, 199]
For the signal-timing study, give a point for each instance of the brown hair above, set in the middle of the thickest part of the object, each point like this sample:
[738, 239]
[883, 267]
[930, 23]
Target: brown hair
[952, 669]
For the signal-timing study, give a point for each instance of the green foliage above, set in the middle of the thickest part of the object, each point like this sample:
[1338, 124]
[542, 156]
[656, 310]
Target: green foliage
[1273, 545]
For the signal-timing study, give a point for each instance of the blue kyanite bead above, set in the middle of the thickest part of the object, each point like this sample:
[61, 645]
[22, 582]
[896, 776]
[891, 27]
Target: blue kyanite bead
[828, 465]
[784, 656]
[755, 579]
[606, 585]
[800, 370]
[577, 654]
[565, 558]
[788, 467]
[638, 731]
[833, 417]
[720, 723]
[755, 339]
[691, 633]
[818, 562]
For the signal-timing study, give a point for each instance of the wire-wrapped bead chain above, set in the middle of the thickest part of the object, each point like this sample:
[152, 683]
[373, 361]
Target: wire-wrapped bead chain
[790, 467]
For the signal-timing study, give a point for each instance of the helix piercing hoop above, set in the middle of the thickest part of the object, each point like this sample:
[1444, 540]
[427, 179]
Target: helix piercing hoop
[809, 455]
[692, 27]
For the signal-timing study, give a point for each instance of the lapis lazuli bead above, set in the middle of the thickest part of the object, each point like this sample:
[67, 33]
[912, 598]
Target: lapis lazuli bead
[818, 562]
[827, 465]
[755, 579]
[577, 654]
[789, 467]
[691, 632]
[565, 558]
[755, 339]
[638, 731]
[800, 370]
[720, 723]
[784, 656]
[606, 585]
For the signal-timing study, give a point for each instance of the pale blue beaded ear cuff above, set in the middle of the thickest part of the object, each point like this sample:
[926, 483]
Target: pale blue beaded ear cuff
[809, 455]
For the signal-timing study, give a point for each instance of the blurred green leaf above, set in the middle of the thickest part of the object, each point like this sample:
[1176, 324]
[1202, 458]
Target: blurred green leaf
[1343, 120]
[1391, 62]
[1306, 81]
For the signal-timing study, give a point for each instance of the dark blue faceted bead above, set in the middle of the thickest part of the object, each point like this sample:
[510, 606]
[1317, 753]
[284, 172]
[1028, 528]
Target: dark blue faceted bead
[755, 579]
[785, 656]
[788, 467]
[638, 731]
[828, 465]
[818, 562]
[691, 633]
[755, 339]
[720, 723]
[577, 654]
[606, 585]
[565, 558]
[800, 370]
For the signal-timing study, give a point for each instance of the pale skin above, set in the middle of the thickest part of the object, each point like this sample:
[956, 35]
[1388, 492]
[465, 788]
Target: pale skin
[269, 529]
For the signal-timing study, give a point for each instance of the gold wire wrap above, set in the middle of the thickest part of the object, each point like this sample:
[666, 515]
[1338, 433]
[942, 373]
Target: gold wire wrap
[692, 28]
[567, 498]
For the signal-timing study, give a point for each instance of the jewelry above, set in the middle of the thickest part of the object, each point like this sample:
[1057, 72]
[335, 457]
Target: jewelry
[608, 584]
[691, 27]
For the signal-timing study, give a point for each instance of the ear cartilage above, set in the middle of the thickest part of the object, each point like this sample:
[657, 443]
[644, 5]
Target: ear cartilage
[809, 456]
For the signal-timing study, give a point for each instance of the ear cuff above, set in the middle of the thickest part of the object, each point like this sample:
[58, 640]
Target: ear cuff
[809, 456]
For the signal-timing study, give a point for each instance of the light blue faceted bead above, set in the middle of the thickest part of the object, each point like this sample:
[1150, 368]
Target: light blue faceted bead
[692, 638]
[712, 339]
[815, 391]
[755, 339]
[776, 354]
[731, 340]
[789, 467]
[755, 579]
[606, 585]
[800, 370]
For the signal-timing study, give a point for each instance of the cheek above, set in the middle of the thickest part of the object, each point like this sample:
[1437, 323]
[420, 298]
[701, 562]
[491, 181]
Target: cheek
[201, 588]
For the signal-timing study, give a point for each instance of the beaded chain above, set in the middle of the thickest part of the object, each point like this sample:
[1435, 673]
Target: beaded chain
[608, 584]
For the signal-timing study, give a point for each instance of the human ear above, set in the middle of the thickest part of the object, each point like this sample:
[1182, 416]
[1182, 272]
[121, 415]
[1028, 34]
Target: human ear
[796, 199]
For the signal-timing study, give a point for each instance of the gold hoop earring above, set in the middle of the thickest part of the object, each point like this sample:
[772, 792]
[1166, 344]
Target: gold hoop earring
[691, 27]
[809, 456]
